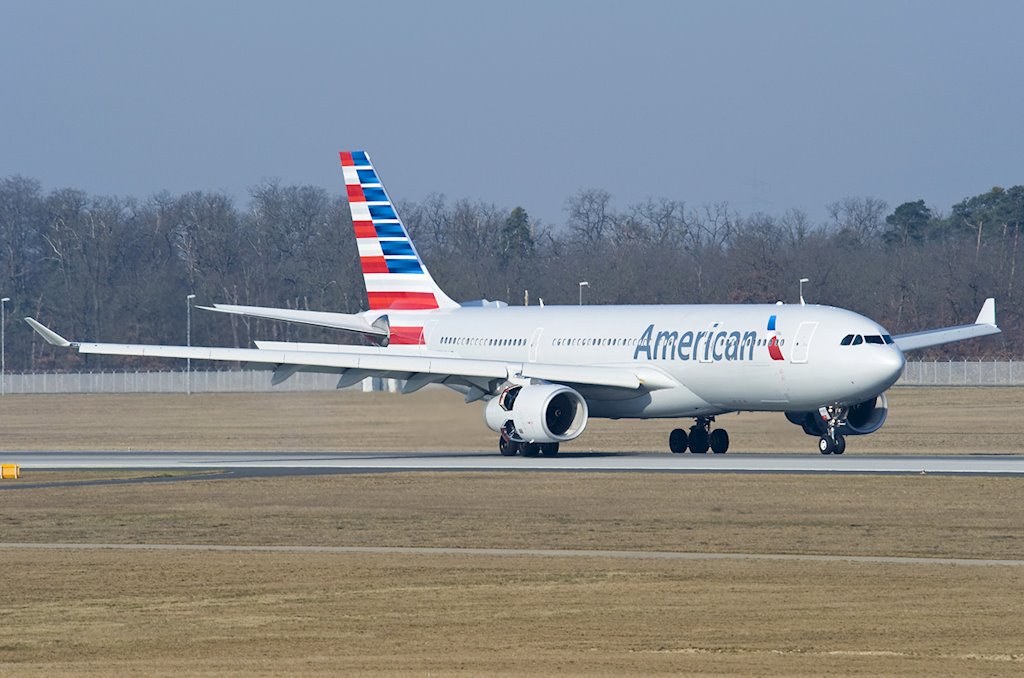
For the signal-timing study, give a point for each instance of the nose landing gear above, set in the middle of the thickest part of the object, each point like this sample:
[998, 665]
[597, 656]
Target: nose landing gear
[836, 445]
[700, 438]
[834, 418]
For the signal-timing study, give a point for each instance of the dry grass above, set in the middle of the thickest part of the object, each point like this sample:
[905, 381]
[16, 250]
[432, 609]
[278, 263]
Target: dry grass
[216, 614]
[922, 420]
[865, 515]
[84, 476]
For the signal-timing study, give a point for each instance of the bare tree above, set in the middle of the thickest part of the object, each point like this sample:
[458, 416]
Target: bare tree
[589, 215]
[860, 219]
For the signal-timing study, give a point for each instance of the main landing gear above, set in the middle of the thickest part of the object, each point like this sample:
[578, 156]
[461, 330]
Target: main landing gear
[700, 438]
[834, 418]
[510, 448]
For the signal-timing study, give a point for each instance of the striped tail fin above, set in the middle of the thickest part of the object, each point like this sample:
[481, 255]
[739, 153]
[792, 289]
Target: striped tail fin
[394, 274]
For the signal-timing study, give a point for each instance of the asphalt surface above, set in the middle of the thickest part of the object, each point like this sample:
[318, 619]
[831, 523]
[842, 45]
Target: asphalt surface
[265, 463]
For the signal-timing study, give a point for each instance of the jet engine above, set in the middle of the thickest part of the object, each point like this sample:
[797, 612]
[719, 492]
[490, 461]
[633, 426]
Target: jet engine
[538, 413]
[862, 418]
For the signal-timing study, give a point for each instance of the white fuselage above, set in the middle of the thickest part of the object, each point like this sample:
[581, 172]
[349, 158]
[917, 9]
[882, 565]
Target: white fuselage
[722, 356]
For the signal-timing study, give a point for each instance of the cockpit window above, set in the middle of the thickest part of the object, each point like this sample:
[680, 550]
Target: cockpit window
[857, 339]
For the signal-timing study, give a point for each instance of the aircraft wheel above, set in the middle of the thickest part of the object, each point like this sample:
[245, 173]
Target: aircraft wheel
[840, 445]
[825, 445]
[507, 447]
[699, 441]
[529, 449]
[677, 441]
[719, 441]
[549, 449]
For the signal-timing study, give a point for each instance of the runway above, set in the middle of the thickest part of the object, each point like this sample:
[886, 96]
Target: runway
[266, 463]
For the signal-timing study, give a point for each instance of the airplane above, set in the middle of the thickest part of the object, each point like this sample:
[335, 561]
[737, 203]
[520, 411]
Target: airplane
[546, 370]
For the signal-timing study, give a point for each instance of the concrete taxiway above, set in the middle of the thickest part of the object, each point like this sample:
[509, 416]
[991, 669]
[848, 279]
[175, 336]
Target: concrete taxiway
[263, 463]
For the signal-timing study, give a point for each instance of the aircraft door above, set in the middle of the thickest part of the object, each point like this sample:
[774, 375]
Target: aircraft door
[802, 342]
[428, 334]
[534, 343]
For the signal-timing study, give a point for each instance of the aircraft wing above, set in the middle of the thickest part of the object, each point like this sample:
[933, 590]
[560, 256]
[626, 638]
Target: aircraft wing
[983, 326]
[630, 378]
[417, 370]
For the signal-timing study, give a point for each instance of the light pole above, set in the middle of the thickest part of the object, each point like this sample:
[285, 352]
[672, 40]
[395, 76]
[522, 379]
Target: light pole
[3, 346]
[802, 281]
[583, 283]
[188, 342]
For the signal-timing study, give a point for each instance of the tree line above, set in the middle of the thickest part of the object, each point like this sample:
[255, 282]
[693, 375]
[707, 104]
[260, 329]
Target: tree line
[109, 268]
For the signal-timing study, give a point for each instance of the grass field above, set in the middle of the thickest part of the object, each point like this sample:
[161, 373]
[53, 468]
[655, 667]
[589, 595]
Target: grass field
[96, 612]
[170, 614]
[921, 421]
[210, 613]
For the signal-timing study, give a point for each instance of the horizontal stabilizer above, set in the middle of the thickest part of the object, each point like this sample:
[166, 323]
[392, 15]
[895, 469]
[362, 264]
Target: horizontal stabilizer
[337, 321]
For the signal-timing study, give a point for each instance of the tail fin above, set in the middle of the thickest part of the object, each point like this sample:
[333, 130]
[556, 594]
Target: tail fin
[394, 274]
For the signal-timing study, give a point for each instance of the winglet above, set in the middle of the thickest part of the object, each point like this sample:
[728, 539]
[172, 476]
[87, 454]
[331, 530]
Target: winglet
[46, 333]
[988, 313]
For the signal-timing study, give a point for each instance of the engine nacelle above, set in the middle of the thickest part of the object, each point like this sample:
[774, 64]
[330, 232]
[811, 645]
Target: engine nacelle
[539, 413]
[863, 418]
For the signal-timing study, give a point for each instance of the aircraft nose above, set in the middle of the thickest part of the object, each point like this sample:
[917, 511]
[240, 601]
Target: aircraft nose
[889, 365]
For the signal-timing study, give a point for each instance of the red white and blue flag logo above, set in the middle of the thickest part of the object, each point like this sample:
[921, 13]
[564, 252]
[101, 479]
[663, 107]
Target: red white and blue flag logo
[395, 276]
[773, 341]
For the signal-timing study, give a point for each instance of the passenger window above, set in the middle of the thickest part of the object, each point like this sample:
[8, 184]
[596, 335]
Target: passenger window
[858, 340]
[846, 340]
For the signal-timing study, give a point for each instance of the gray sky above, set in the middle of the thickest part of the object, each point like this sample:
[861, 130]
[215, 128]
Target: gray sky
[767, 105]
